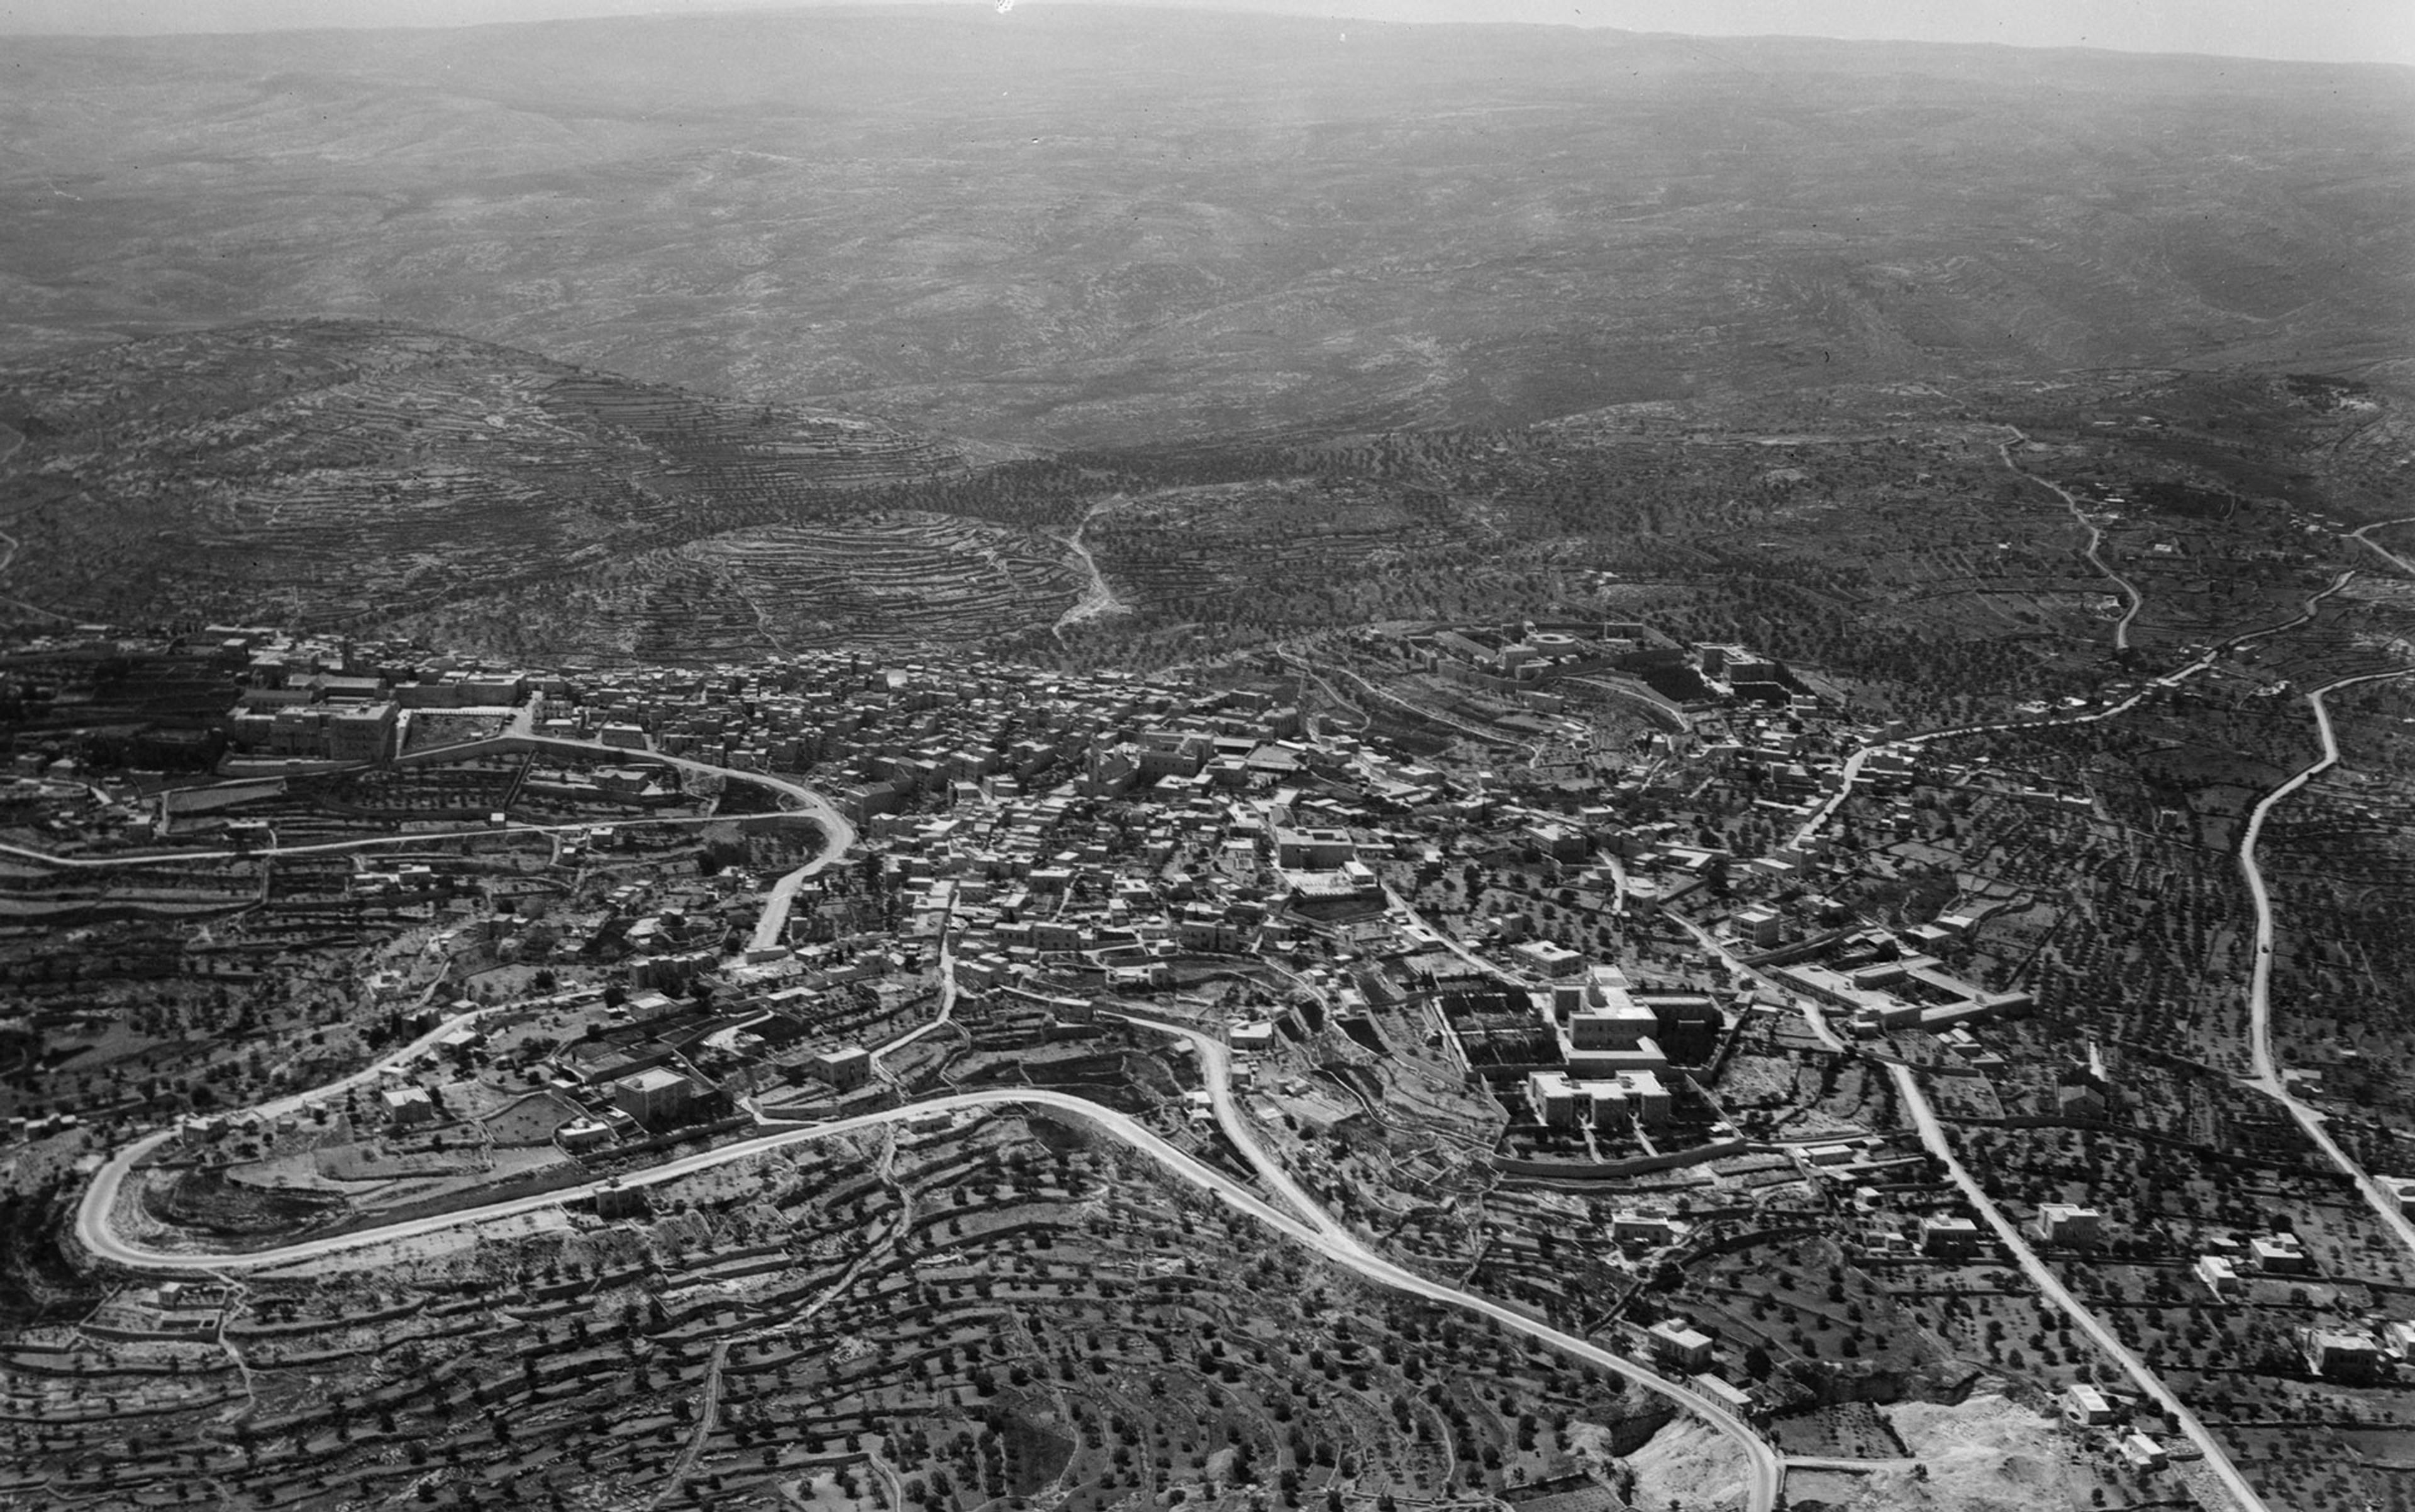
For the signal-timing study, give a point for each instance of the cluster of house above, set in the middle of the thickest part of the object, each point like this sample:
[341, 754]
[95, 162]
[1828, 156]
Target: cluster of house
[1883, 982]
[668, 1067]
[2091, 1407]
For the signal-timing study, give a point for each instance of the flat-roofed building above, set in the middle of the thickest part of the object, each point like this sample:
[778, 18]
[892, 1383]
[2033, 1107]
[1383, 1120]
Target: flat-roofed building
[2084, 1406]
[1676, 1342]
[844, 1069]
[2071, 1226]
[654, 1096]
[1948, 1234]
[1759, 926]
[407, 1106]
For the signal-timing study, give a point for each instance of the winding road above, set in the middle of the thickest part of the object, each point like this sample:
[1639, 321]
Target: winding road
[1098, 596]
[838, 834]
[2135, 599]
[1765, 1469]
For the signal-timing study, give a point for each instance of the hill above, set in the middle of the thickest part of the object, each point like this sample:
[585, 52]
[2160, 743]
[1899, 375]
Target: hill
[1083, 226]
[343, 472]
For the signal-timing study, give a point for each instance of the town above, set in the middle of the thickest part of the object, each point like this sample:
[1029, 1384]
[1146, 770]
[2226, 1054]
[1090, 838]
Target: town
[1567, 961]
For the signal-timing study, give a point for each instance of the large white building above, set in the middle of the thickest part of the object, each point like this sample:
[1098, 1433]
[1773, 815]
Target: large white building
[1618, 1101]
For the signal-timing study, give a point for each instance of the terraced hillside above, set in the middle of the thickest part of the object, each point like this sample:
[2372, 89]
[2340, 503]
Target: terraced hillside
[382, 478]
[347, 471]
[893, 578]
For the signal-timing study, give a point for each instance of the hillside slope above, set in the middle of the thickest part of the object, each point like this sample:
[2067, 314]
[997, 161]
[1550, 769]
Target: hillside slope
[1083, 226]
[346, 473]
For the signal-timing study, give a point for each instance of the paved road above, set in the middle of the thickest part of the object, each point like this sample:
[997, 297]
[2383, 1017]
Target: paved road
[100, 1198]
[1817, 1021]
[838, 835]
[1216, 1071]
[2267, 1079]
[1924, 1118]
[1765, 1469]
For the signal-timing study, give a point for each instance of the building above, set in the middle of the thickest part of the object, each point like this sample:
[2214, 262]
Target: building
[1629, 1227]
[1948, 1234]
[406, 1107]
[1313, 850]
[1253, 1038]
[843, 1070]
[1613, 1102]
[1734, 1398]
[2341, 1354]
[2221, 1277]
[2069, 1226]
[2144, 1452]
[362, 732]
[2087, 1407]
[1545, 959]
[1675, 1342]
[1759, 926]
[2279, 1255]
[654, 1096]
[2399, 1190]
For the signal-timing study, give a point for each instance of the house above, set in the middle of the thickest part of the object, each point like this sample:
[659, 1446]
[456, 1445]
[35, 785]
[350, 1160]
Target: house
[2341, 1354]
[1734, 1398]
[1629, 1227]
[654, 1096]
[2221, 1277]
[2279, 1255]
[1759, 926]
[844, 1069]
[579, 1135]
[1948, 1234]
[1254, 1038]
[1675, 1342]
[2144, 1452]
[407, 1106]
[2084, 1406]
[1546, 959]
[2069, 1226]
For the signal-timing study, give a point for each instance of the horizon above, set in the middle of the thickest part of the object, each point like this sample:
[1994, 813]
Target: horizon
[2335, 32]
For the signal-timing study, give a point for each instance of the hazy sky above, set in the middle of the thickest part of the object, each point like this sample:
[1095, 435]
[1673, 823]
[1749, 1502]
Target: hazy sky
[2342, 30]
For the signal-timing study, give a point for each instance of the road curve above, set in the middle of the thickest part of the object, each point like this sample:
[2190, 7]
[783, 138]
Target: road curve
[1216, 1071]
[1767, 1469]
[838, 835]
[2267, 1079]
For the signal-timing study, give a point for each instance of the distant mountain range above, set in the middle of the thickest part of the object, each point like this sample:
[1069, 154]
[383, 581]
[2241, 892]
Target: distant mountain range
[1083, 226]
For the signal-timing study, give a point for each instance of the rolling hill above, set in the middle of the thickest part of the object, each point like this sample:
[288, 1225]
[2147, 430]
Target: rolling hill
[343, 472]
[1080, 226]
